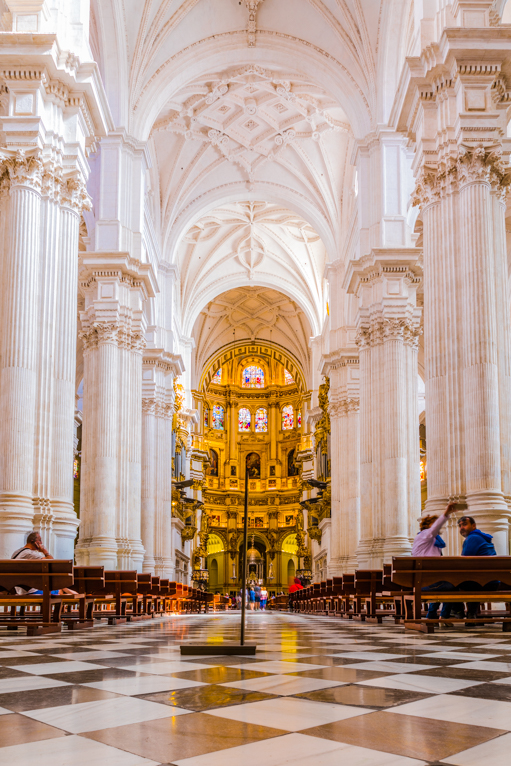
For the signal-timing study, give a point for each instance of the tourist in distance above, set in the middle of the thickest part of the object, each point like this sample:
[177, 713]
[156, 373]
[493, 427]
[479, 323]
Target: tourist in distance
[429, 543]
[264, 598]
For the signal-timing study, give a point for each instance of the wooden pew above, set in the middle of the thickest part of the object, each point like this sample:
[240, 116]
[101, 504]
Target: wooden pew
[119, 587]
[45, 575]
[86, 580]
[417, 572]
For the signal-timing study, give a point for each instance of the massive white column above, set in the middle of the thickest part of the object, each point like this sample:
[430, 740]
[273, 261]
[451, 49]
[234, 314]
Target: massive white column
[461, 188]
[21, 221]
[343, 370]
[386, 283]
[115, 287]
[157, 412]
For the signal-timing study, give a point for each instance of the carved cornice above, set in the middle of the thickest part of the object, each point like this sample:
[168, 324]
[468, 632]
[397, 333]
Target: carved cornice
[343, 407]
[101, 333]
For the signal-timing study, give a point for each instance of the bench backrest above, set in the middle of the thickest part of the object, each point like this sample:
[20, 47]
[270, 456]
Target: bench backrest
[368, 581]
[426, 570]
[121, 581]
[41, 574]
[88, 579]
[144, 581]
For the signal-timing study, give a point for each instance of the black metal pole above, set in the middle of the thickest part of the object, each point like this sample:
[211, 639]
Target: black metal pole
[244, 561]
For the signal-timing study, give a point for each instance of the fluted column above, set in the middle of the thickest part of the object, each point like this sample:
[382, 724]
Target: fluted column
[388, 327]
[157, 412]
[74, 199]
[113, 325]
[342, 368]
[21, 217]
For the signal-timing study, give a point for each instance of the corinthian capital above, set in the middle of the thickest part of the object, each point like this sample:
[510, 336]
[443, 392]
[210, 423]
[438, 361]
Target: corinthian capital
[75, 195]
[51, 182]
[483, 164]
[23, 169]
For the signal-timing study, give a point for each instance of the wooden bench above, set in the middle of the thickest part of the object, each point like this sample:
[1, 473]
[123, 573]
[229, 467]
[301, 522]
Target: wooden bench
[86, 580]
[416, 573]
[46, 575]
[119, 587]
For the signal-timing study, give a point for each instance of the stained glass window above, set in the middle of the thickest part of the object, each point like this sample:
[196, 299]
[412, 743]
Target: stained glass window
[288, 420]
[253, 377]
[298, 419]
[206, 417]
[218, 417]
[244, 419]
[261, 421]
[288, 378]
[76, 468]
[217, 377]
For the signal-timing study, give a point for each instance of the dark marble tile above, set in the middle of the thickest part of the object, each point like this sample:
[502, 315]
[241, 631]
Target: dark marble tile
[465, 674]
[184, 736]
[322, 659]
[219, 675]
[17, 729]
[345, 675]
[405, 735]
[494, 691]
[364, 696]
[89, 676]
[18, 702]
[10, 673]
[203, 698]
[420, 660]
[224, 661]
[22, 661]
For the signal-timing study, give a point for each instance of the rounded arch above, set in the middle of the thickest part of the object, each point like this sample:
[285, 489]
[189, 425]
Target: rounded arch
[213, 573]
[291, 570]
[227, 353]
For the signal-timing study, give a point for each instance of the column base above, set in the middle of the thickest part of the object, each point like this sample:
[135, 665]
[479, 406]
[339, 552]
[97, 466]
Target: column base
[492, 515]
[370, 554]
[398, 545]
[65, 528]
[16, 522]
[97, 551]
[130, 554]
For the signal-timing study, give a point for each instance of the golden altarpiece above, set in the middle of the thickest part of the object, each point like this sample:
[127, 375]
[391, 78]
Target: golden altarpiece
[252, 408]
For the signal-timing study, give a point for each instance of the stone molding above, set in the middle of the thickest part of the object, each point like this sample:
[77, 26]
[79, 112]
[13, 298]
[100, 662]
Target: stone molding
[21, 169]
[472, 165]
[343, 407]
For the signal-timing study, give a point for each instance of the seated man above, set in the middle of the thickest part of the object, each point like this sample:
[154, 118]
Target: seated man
[476, 543]
[429, 543]
[34, 549]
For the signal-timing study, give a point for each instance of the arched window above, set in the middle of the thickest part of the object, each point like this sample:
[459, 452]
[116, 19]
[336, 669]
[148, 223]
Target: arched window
[253, 377]
[288, 378]
[253, 462]
[217, 377]
[244, 419]
[218, 417]
[206, 417]
[288, 420]
[261, 420]
[298, 419]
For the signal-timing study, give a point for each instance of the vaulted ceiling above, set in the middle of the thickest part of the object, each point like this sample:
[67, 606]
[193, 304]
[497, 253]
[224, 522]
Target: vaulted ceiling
[253, 314]
[257, 243]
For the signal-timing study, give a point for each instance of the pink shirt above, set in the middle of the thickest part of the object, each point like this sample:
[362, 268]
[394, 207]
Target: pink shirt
[424, 543]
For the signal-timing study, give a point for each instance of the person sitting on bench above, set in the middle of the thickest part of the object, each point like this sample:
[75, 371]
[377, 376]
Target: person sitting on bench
[429, 543]
[476, 543]
[34, 549]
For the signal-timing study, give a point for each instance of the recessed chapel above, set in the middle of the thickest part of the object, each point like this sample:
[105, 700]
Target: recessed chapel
[252, 251]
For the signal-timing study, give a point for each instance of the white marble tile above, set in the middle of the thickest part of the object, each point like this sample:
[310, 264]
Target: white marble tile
[282, 685]
[110, 647]
[45, 668]
[416, 683]
[390, 667]
[6, 655]
[277, 666]
[502, 649]
[298, 750]
[484, 640]
[103, 714]
[87, 656]
[143, 684]
[27, 683]
[4, 711]
[472, 711]
[166, 667]
[369, 655]
[496, 752]
[289, 714]
[502, 667]
[70, 751]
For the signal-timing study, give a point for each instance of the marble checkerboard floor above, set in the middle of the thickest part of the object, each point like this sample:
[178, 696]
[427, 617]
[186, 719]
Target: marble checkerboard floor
[320, 691]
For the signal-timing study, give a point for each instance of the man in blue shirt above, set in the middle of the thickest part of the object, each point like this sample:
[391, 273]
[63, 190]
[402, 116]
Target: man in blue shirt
[476, 543]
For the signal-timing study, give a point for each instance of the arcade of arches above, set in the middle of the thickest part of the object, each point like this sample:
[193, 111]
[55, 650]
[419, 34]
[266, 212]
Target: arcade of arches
[253, 233]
